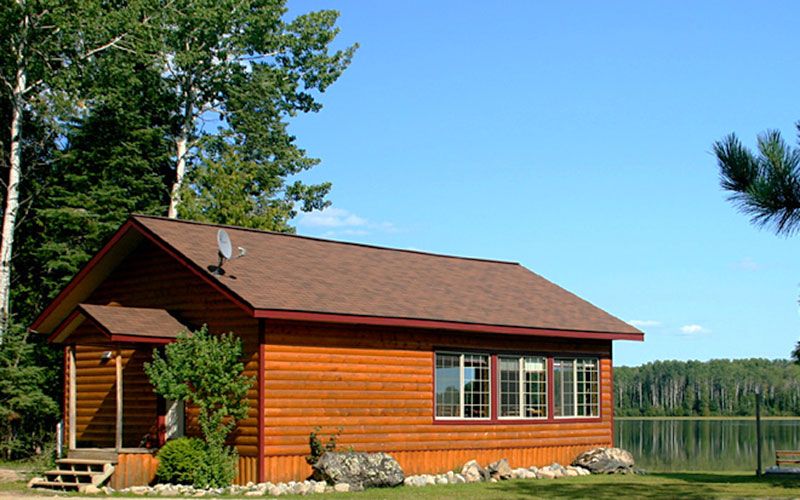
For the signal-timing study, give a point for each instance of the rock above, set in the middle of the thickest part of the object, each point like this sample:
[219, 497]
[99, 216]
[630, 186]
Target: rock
[359, 470]
[341, 487]
[90, 489]
[545, 473]
[523, 474]
[499, 469]
[319, 487]
[570, 473]
[606, 461]
[139, 490]
[473, 472]
[274, 491]
[459, 479]
[441, 480]
[254, 493]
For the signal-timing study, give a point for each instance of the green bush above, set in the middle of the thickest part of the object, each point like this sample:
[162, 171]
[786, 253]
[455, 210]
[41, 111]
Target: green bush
[179, 460]
[218, 467]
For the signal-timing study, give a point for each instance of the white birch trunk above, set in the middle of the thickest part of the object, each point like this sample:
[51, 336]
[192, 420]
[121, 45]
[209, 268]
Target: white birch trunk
[12, 189]
[182, 148]
[180, 171]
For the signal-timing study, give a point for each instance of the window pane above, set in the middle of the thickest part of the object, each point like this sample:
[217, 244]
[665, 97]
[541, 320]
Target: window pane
[563, 372]
[577, 387]
[535, 390]
[476, 386]
[588, 388]
[509, 387]
[448, 380]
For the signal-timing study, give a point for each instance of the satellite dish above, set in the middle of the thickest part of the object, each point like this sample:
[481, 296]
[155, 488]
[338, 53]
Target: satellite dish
[224, 244]
[224, 252]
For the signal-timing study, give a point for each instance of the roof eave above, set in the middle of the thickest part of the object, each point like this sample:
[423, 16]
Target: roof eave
[352, 319]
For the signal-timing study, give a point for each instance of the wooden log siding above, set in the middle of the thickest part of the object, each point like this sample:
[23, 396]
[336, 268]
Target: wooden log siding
[377, 385]
[96, 401]
[150, 278]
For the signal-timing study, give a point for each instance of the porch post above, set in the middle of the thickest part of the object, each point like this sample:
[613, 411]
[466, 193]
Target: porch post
[119, 402]
[71, 411]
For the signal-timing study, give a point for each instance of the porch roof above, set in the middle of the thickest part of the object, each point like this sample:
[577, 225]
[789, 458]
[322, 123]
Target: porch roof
[123, 324]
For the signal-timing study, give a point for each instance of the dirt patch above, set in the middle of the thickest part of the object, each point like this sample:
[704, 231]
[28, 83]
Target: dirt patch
[11, 475]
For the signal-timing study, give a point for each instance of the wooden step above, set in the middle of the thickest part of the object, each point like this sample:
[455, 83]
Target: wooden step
[82, 461]
[55, 484]
[72, 472]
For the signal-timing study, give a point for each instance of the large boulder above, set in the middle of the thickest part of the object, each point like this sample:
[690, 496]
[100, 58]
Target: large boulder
[500, 469]
[359, 470]
[473, 472]
[606, 461]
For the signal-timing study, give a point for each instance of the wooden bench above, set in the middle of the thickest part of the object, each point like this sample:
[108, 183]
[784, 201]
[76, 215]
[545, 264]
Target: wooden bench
[786, 457]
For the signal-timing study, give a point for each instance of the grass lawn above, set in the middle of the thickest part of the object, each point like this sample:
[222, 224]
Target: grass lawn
[657, 485]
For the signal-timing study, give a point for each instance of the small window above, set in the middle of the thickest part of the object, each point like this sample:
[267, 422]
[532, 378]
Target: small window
[576, 387]
[523, 387]
[462, 386]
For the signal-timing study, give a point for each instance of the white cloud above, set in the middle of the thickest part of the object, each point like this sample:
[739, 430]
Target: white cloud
[693, 329]
[331, 217]
[644, 323]
[340, 222]
[748, 264]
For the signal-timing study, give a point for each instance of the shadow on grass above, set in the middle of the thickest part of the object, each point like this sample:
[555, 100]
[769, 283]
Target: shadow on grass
[744, 478]
[659, 485]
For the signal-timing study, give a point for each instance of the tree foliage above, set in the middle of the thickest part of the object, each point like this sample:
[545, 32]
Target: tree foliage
[764, 185]
[237, 71]
[205, 371]
[718, 387]
[27, 414]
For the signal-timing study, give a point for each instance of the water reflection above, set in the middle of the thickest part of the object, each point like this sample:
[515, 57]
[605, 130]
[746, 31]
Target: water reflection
[664, 445]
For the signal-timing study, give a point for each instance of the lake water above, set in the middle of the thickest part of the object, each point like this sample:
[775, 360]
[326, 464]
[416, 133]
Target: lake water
[665, 445]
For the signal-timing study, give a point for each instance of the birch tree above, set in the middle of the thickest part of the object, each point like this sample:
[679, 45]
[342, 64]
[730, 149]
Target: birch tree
[44, 43]
[238, 71]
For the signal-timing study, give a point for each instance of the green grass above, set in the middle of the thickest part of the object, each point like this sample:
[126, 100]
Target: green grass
[684, 485]
[659, 485]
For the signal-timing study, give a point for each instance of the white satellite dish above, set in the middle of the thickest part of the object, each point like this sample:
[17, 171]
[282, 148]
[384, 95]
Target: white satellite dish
[224, 244]
[224, 252]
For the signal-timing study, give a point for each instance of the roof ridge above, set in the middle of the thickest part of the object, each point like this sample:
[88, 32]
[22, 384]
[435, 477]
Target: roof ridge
[324, 240]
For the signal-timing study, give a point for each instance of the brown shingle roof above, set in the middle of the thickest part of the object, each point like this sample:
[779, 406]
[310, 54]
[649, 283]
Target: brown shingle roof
[134, 321]
[295, 273]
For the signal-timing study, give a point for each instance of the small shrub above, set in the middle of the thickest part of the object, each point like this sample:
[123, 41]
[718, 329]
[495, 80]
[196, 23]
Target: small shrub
[218, 467]
[180, 460]
[316, 446]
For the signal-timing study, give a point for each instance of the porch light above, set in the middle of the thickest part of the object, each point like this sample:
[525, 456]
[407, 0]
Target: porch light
[106, 355]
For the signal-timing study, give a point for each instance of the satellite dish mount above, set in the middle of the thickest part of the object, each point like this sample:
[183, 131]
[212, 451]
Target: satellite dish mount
[224, 252]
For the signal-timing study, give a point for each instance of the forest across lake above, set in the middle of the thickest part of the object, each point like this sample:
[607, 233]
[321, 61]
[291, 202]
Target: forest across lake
[720, 387]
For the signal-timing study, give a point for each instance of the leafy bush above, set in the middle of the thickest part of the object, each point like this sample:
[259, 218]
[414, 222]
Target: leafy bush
[206, 371]
[180, 460]
[217, 468]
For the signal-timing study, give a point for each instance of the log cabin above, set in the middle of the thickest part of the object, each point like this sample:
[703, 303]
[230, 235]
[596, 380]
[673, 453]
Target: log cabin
[433, 358]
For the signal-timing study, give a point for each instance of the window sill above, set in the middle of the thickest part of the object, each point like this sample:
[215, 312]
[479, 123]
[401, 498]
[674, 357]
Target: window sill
[518, 421]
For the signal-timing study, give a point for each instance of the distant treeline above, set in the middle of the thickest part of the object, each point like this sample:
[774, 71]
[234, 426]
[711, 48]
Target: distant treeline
[719, 387]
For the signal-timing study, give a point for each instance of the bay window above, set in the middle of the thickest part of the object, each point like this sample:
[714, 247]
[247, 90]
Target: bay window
[527, 387]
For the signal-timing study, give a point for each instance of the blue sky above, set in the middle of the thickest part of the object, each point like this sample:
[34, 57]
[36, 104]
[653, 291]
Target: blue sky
[574, 138]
